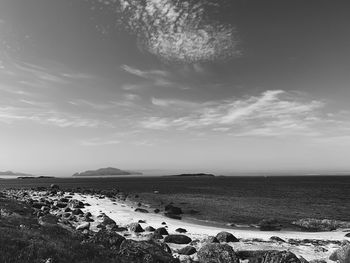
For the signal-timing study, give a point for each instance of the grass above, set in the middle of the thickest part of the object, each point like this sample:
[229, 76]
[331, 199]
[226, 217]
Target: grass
[22, 239]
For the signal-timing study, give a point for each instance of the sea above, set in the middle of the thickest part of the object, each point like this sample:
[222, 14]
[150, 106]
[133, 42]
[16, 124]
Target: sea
[224, 199]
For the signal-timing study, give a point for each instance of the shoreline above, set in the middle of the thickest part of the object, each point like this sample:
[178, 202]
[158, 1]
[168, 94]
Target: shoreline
[121, 210]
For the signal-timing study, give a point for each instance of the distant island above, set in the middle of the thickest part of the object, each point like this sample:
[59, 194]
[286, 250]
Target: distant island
[109, 171]
[192, 175]
[10, 173]
[35, 177]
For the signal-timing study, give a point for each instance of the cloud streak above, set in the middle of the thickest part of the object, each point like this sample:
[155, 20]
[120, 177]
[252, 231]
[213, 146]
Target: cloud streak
[273, 112]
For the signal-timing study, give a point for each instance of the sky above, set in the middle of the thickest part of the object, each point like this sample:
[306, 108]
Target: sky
[234, 86]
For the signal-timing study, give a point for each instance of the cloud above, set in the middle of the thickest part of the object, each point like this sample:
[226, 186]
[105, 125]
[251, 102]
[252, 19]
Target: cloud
[99, 142]
[147, 74]
[42, 115]
[273, 112]
[177, 31]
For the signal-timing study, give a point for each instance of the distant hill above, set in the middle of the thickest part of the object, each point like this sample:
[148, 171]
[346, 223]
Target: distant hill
[192, 175]
[10, 173]
[105, 172]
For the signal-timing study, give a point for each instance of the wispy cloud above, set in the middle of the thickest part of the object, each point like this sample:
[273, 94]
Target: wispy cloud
[273, 112]
[99, 142]
[147, 74]
[10, 114]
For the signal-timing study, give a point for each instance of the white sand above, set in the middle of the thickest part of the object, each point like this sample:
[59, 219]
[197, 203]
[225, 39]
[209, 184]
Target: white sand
[123, 213]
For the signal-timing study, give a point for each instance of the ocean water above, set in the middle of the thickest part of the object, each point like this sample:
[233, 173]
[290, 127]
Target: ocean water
[240, 200]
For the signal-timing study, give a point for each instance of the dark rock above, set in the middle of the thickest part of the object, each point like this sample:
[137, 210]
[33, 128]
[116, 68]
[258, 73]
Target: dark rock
[141, 210]
[156, 236]
[76, 204]
[173, 209]
[108, 239]
[156, 211]
[142, 221]
[38, 205]
[217, 253]
[67, 209]
[87, 215]
[161, 231]
[163, 223]
[54, 186]
[144, 252]
[135, 227]
[150, 229]
[188, 250]
[275, 257]
[276, 238]
[77, 211]
[61, 204]
[181, 230]
[226, 237]
[211, 239]
[347, 235]
[247, 254]
[64, 200]
[173, 216]
[341, 255]
[120, 229]
[269, 225]
[177, 239]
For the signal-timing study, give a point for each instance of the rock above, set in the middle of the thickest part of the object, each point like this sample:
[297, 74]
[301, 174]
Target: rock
[135, 227]
[211, 239]
[269, 225]
[142, 221]
[278, 239]
[181, 230]
[217, 253]
[316, 261]
[76, 204]
[108, 239]
[77, 211]
[347, 235]
[54, 186]
[64, 200]
[341, 255]
[48, 220]
[188, 250]
[275, 257]
[83, 226]
[38, 205]
[173, 216]
[61, 204]
[87, 215]
[173, 209]
[156, 236]
[226, 237]
[177, 239]
[141, 210]
[120, 229]
[161, 231]
[247, 254]
[163, 223]
[156, 210]
[150, 229]
[144, 252]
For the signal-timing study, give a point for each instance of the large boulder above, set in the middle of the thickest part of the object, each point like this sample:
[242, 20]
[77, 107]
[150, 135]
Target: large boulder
[188, 250]
[173, 209]
[275, 257]
[105, 222]
[226, 237]
[108, 239]
[73, 203]
[144, 252]
[177, 239]
[341, 255]
[217, 253]
[136, 227]
[270, 224]
[161, 231]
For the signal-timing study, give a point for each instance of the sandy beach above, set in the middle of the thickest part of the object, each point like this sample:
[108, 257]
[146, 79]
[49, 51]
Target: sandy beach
[123, 213]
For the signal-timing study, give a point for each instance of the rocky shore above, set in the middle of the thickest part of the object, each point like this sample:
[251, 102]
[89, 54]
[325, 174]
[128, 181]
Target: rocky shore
[133, 232]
